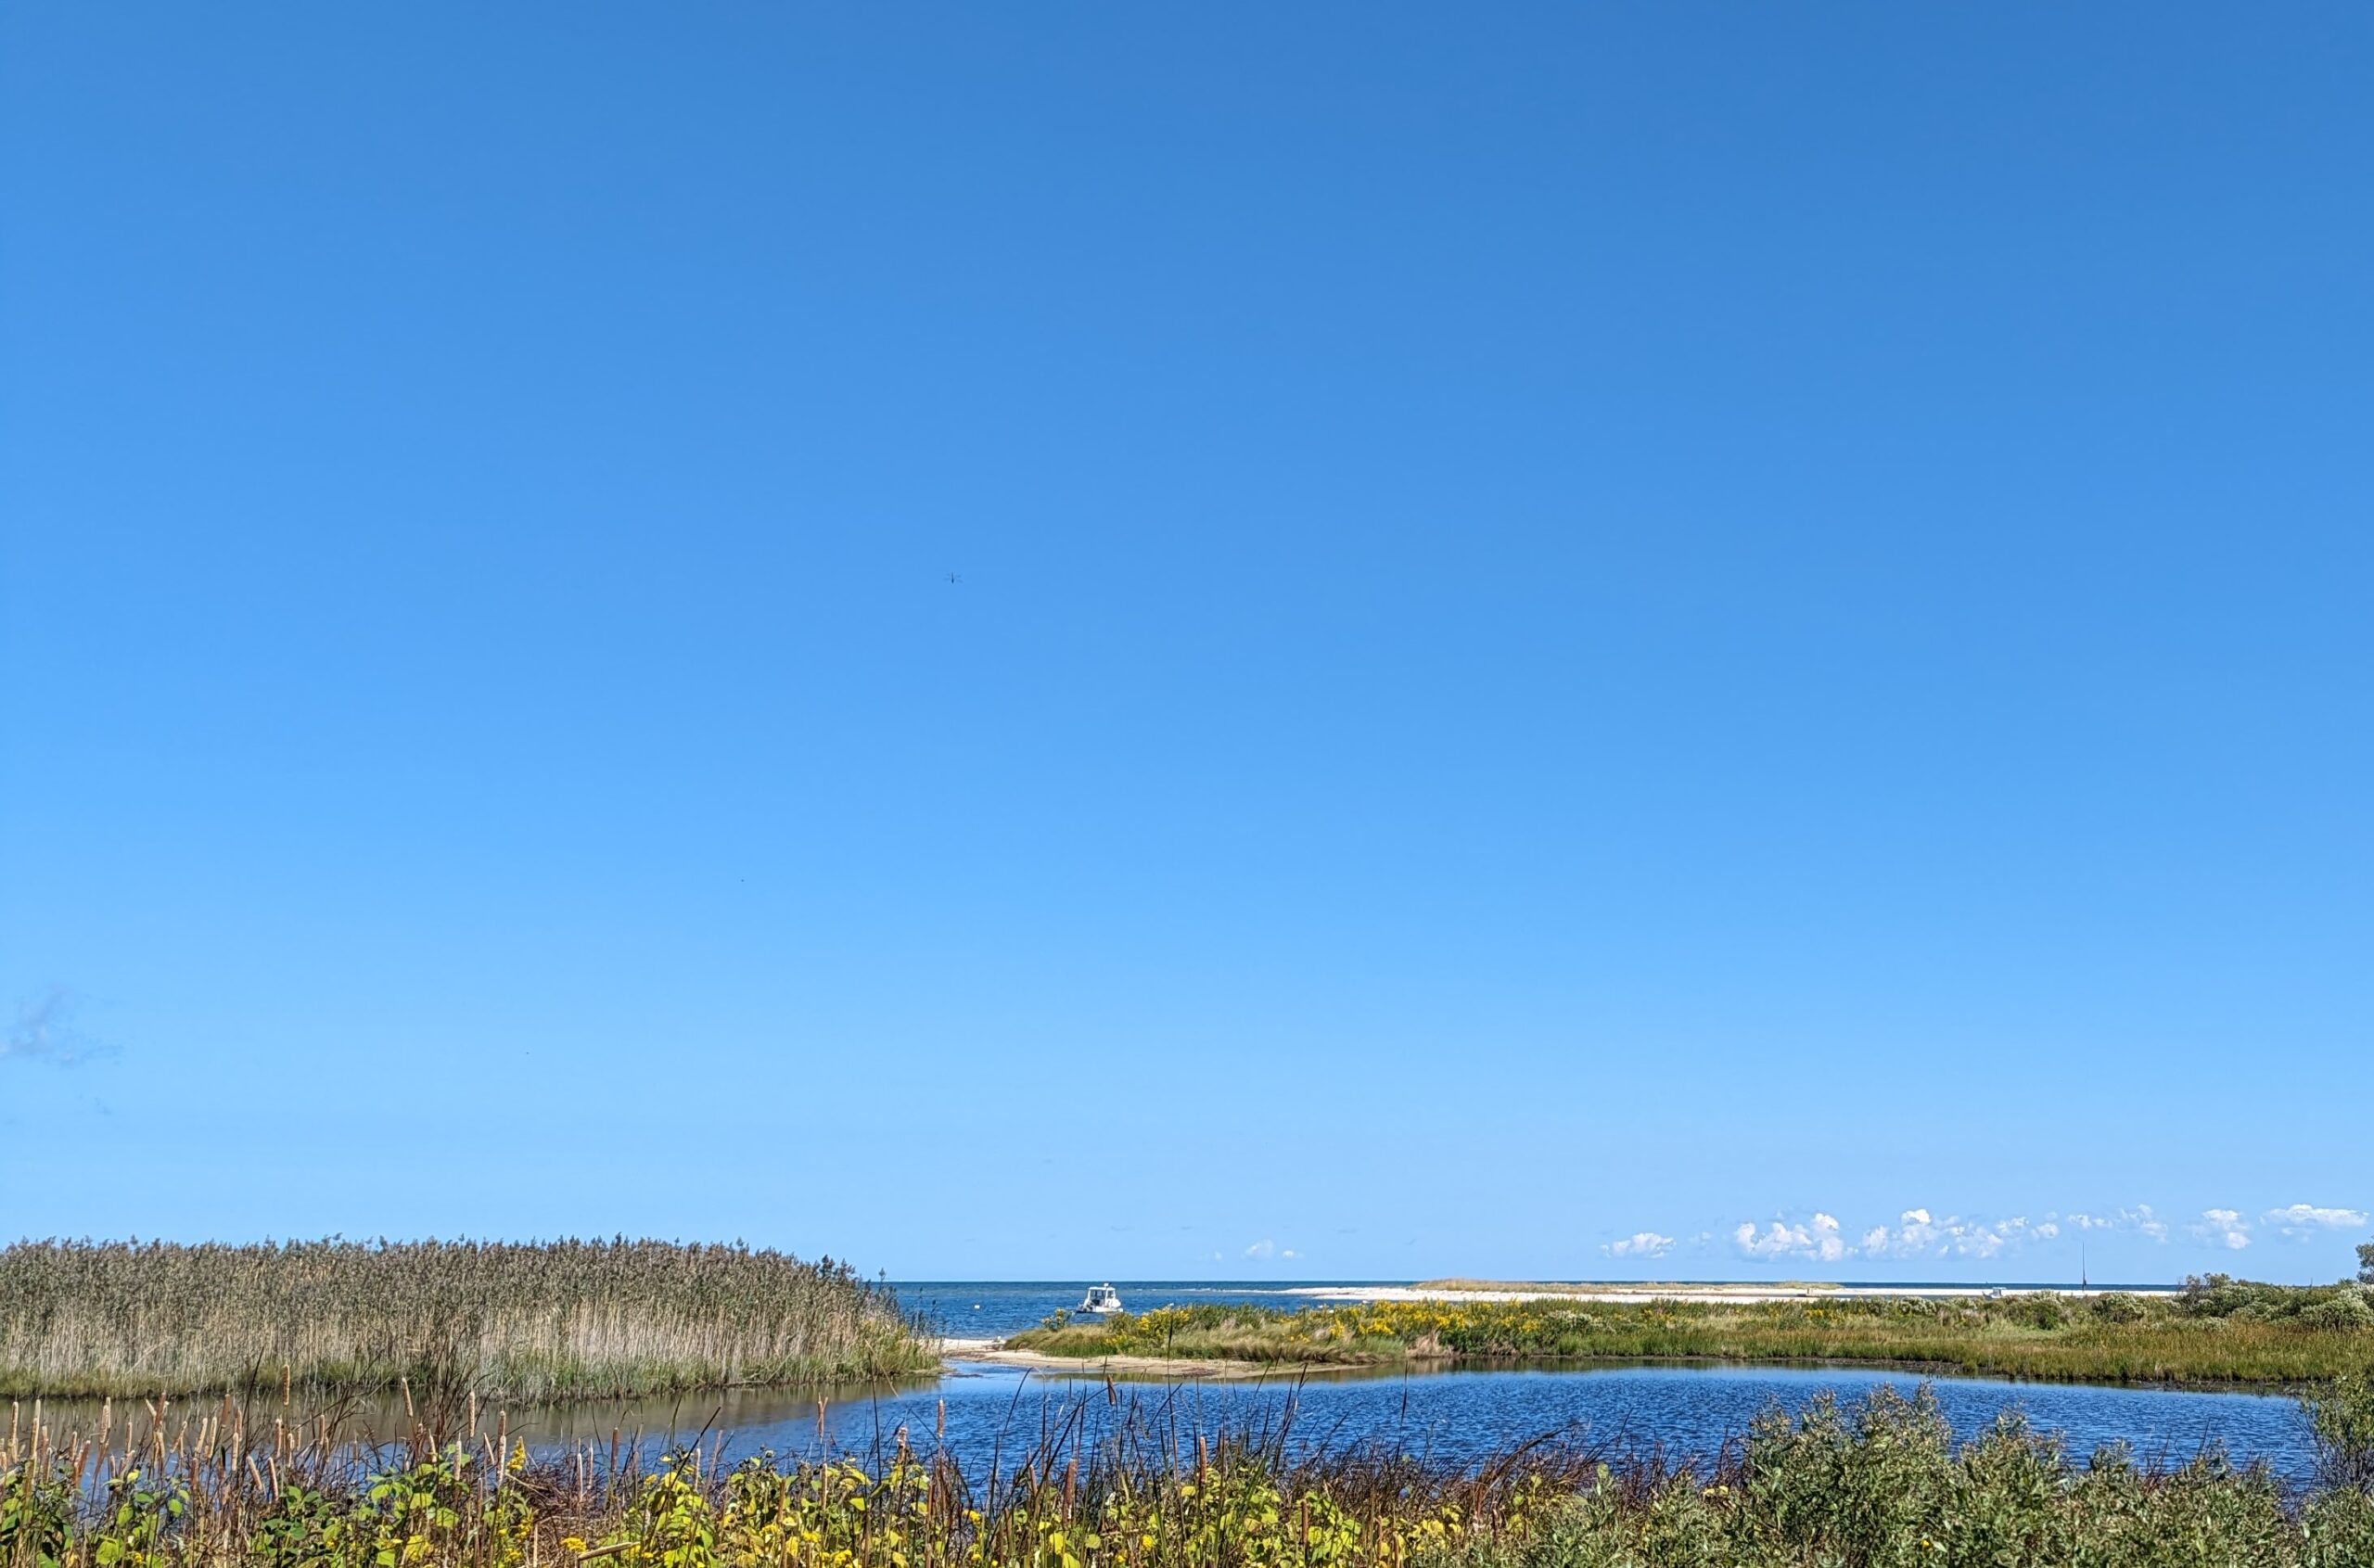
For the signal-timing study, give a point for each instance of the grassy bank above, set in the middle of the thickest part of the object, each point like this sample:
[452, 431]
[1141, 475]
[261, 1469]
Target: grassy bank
[2221, 1331]
[564, 1319]
[1878, 1483]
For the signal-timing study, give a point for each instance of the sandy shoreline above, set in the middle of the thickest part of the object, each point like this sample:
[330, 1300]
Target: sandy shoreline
[985, 1351]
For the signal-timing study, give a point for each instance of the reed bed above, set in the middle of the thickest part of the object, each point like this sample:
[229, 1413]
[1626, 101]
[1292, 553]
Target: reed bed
[1841, 1486]
[2219, 1333]
[551, 1320]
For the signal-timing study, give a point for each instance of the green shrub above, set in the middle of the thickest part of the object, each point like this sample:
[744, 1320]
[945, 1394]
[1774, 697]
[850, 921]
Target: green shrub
[2116, 1308]
[2046, 1309]
[2348, 1311]
[2341, 1415]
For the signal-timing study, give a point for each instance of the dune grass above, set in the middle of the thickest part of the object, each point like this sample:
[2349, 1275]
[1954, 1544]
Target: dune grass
[564, 1319]
[2251, 1334]
[1869, 1486]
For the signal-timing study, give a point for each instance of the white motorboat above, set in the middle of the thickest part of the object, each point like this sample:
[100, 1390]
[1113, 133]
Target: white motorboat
[1100, 1300]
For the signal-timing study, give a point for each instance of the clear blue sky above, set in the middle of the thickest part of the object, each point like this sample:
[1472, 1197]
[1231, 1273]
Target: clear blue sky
[1575, 622]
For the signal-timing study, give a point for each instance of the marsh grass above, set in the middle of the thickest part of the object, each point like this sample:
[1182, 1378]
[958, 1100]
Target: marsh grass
[561, 1320]
[2259, 1338]
[1880, 1483]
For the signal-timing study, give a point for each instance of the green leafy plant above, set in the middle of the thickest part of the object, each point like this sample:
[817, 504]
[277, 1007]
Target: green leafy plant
[36, 1515]
[2341, 1415]
[139, 1512]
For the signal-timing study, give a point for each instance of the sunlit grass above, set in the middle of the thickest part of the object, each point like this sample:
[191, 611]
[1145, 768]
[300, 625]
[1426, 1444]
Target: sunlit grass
[2283, 1338]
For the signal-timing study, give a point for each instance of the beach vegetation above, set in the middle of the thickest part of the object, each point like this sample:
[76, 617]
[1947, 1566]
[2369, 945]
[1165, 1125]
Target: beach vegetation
[2341, 1413]
[2216, 1331]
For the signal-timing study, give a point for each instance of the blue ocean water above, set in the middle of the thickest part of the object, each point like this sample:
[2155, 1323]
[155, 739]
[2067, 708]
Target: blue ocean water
[977, 1309]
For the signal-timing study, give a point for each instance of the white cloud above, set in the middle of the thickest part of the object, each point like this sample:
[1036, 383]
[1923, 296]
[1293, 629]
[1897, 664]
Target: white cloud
[1920, 1234]
[2223, 1226]
[1640, 1244]
[2141, 1220]
[1780, 1241]
[2303, 1220]
[1262, 1248]
[1819, 1239]
[1828, 1244]
[1916, 1232]
[1926, 1232]
[1987, 1240]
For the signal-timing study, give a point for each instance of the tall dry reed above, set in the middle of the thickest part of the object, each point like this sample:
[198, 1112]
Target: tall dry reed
[566, 1319]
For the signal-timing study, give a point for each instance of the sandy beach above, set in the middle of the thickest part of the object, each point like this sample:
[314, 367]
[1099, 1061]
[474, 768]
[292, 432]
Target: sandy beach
[979, 1351]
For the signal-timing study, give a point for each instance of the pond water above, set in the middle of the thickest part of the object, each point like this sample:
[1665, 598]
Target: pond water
[1458, 1416]
[1465, 1414]
[981, 1411]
